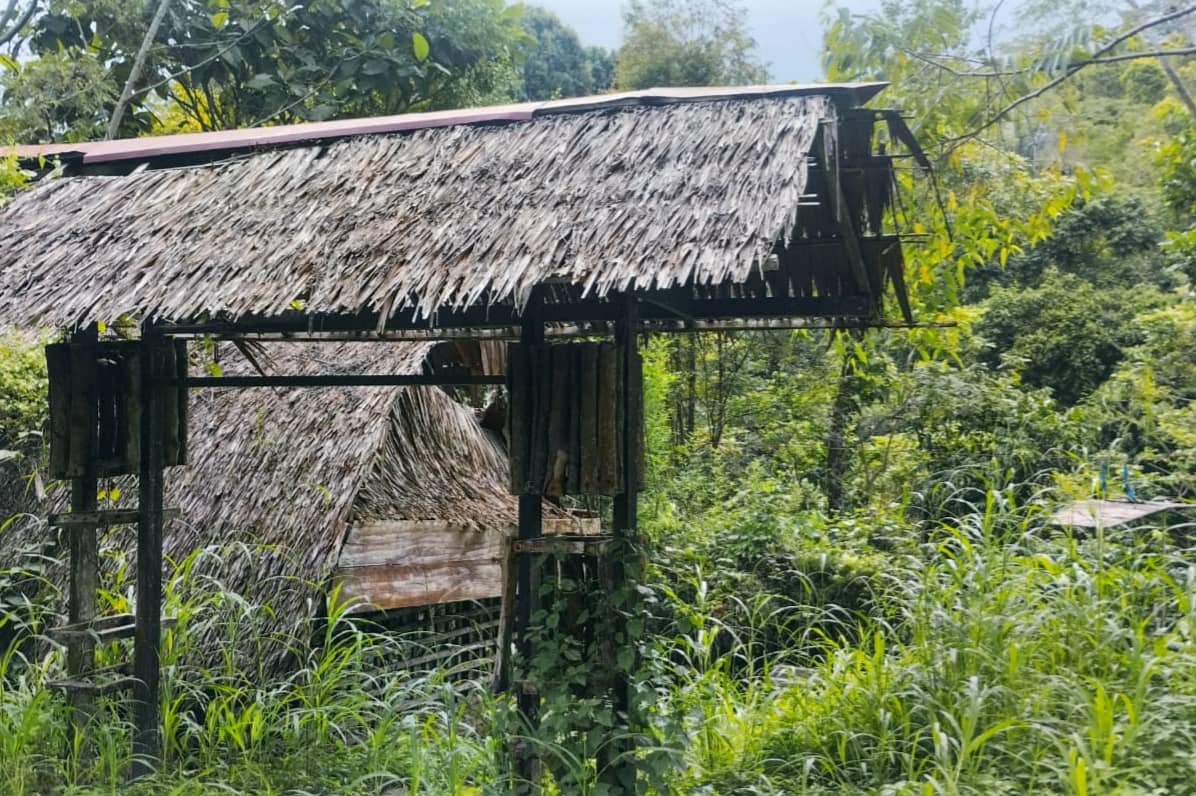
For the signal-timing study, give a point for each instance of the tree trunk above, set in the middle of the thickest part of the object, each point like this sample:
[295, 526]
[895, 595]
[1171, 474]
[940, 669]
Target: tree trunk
[843, 409]
[126, 93]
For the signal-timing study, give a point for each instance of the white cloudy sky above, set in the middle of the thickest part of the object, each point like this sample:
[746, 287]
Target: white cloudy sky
[787, 31]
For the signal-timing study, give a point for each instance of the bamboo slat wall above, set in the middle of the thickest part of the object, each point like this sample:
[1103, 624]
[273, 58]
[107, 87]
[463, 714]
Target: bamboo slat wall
[565, 420]
[95, 408]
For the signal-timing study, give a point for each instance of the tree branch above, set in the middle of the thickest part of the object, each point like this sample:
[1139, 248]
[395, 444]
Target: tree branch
[126, 93]
[1097, 57]
[7, 35]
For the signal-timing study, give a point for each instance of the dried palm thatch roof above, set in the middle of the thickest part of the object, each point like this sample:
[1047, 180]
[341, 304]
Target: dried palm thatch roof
[286, 470]
[609, 198]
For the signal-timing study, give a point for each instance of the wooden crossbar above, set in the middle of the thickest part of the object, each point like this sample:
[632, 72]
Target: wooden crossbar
[102, 519]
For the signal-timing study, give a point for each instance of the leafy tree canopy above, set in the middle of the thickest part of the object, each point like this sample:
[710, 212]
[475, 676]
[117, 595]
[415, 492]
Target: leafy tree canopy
[1064, 334]
[234, 63]
[556, 64]
[680, 43]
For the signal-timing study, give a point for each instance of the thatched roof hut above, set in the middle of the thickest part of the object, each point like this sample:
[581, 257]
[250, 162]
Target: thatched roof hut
[333, 485]
[672, 189]
[608, 216]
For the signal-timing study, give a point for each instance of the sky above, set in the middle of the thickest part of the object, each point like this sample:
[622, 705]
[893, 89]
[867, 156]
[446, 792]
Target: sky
[787, 32]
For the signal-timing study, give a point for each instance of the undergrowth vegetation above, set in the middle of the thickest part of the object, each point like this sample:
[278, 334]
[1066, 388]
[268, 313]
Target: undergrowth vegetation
[995, 656]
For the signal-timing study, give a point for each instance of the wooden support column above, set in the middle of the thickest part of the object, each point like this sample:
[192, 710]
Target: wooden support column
[83, 544]
[616, 765]
[147, 740]
[526, 759]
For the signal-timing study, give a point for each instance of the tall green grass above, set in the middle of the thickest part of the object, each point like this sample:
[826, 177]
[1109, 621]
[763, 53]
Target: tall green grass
[1011, 658]
[996, 656]
[337, 719]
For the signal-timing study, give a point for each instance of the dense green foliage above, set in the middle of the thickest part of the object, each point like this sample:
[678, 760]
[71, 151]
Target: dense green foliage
[555, 63]
[219, 64]
[686, 43]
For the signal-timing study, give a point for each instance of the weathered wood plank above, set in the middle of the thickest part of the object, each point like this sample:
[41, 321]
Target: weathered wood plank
[131, 393]
[84, 568]
[182, 397]
[86, 689]
[82, 413]
[394, 544]
[557, 452]
[501, 675]
[518, 414]
[58, 368]
[147, 736]
[106, 628]
[588, 417]
[608, 400]
[540, 360]
[573, 435]
[102, 519]
[107, 386]
[388, 588]
[169, 396]
[595, 546]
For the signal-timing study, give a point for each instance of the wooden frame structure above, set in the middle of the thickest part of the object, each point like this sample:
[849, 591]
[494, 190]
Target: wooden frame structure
[829, 267]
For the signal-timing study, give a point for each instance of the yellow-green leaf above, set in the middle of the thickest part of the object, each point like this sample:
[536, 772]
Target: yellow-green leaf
[420, 45]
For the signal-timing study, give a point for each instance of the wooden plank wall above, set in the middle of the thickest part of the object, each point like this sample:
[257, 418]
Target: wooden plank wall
[391, 564]
[96, 407]
[569, 394]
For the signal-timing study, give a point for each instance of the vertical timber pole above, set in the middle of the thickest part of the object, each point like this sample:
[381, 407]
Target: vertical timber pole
[147, 741]
[84, 555]
[531, 518]
[617, 767]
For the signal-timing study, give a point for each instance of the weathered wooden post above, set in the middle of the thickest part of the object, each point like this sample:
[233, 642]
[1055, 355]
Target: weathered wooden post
[527, 761]
[155, 358]
[616, 766]
[83, 544]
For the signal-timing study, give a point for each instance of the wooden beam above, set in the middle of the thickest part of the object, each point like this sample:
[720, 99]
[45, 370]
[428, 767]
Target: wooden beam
[147, 740]
[333, 380]
[103, 519]
[616, 766]
[665, 304]
[838, 203]
[593, 546]
[501, 677]
[106, 628]
[84, 557]
[526, 762]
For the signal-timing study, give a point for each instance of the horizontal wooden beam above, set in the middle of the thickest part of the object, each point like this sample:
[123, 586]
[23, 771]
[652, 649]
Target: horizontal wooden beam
[657, 305]
[377, 380]
[102, 519]
[105, 628]
[596, 546]
[93, 688]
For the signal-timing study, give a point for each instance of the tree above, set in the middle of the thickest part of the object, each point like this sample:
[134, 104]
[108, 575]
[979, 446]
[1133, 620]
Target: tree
[680, 43]
[36, 106]
[962, 85]
[1148, 408]
[1110, 241]
[236, 63]
[1064, 334]
[555, 64]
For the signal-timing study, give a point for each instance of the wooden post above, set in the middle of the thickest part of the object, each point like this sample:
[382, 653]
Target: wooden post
[616, 768]
[147, 741]
[84, 554]
[526, 761]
